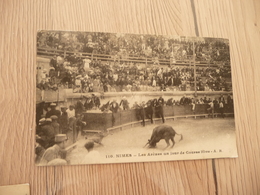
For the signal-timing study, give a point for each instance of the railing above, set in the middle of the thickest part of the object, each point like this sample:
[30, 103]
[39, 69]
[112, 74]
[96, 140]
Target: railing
[104, 121]
[48, 52]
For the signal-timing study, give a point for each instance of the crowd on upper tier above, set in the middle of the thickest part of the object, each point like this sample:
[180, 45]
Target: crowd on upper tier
[126, 45]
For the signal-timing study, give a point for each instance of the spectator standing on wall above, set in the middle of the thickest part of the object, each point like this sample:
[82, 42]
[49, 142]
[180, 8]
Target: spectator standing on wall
[211, 108]
[221, 109]
[71, 117]
[216, 104]
[193, 106]
[221, 98]
[230, 102]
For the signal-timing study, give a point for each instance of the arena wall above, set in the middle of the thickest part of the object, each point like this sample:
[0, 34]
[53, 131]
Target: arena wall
[96, 120]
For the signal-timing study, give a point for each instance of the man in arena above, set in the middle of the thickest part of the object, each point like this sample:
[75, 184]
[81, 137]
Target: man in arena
[114, 108]
[159, 108]
[210, 109]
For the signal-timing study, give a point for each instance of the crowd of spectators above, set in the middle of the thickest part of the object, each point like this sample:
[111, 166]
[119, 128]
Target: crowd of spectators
[84, 75]
[185, 100]
[125, 45]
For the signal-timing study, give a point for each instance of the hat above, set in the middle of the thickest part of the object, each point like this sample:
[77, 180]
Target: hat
[79, 76]
[54, 117]
[42, 120]
[48, 120]
[60, 138]
[52, 104]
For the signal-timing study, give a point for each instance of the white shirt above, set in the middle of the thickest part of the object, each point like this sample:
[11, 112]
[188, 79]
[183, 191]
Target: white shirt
[59, 60]
[50, 154]
[154, 83]
[78, 82]
[86, 63]
[71, 113]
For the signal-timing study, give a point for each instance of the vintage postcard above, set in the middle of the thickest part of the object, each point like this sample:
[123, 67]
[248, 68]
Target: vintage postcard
[119, 98]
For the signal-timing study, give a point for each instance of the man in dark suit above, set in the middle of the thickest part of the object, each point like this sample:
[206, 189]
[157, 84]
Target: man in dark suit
[114, 108]
[124, 103]
[53, 62]
[221, 98]
[149, 110]
[53, 111]
[79, 107]
[170, 81]
[47, 133]
[159, 106]
[89, 103]
[183, 100]
[96, 100]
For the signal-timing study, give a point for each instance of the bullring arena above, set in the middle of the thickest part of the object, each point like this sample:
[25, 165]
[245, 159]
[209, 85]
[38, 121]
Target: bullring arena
[119, 117]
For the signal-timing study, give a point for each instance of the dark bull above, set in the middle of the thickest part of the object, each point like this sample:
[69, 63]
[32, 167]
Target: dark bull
[165, 132]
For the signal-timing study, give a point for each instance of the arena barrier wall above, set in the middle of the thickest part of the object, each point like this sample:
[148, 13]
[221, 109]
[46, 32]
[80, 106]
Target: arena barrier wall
[103, 121]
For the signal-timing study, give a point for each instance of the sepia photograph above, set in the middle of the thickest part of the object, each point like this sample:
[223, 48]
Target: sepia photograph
[123, 98]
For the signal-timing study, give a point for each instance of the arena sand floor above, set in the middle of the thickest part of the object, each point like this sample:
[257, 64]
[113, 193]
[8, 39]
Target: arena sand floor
[202, 138]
